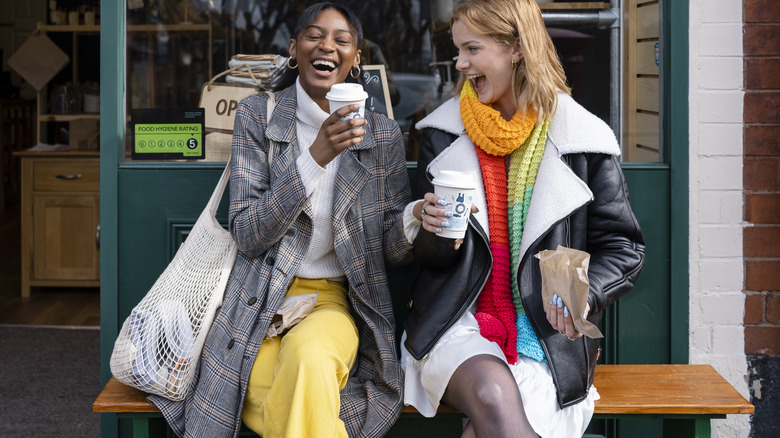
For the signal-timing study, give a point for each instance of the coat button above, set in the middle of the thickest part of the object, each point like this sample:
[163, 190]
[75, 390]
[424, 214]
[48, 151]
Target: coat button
[289, 232]
[270, 261]
[251, 301]
[231, 343]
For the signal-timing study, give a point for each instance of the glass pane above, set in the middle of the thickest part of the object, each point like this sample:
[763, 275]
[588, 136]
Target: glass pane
[175, 46]
[641, 137]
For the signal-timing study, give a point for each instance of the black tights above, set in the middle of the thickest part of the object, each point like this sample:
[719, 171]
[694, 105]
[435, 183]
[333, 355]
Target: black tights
[484, 389]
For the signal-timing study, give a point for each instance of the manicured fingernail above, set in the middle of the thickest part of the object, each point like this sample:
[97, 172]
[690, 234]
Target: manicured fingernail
[438, 230]
[448, 214]
[445, 224]
[559, 302]
[555, 297]
[442, 202]
[565, 312]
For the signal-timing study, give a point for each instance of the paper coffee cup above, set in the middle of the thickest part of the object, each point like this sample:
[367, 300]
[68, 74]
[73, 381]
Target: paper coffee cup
[347, 94]
[457, 190]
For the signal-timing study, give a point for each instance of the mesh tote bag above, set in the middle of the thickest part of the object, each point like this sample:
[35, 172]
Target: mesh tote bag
[159, 345]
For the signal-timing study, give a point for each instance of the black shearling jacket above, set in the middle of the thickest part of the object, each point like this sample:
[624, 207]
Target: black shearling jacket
[599, 221]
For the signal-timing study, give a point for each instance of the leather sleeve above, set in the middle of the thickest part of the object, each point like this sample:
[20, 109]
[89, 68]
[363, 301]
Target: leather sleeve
[614, 239]
[432, 143]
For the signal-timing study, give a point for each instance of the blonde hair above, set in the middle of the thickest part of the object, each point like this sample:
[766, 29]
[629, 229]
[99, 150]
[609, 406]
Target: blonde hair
[539, 74]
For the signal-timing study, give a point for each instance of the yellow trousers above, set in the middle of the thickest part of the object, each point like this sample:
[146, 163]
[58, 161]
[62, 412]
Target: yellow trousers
[296, 378]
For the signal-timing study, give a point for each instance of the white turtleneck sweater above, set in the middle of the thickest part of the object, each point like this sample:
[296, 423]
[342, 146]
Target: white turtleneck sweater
[320, 260]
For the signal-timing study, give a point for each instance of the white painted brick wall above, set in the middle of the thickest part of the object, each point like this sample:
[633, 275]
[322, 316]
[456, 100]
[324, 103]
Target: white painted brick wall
[716, 263]
[720, 138]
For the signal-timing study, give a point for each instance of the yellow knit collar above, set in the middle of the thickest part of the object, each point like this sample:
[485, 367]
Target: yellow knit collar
[488, 129]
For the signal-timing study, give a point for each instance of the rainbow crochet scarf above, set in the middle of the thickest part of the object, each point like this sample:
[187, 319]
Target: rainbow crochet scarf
[500, 312]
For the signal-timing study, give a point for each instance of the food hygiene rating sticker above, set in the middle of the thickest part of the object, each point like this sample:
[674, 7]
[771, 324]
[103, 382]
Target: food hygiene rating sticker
[168, 134]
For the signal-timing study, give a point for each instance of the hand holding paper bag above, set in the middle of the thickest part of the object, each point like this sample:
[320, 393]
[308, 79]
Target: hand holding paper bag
[565, 273]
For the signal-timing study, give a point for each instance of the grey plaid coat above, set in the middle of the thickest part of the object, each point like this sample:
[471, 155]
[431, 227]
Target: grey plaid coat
[270, 221]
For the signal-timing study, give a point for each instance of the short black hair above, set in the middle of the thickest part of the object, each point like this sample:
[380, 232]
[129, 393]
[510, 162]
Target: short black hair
[310, 14]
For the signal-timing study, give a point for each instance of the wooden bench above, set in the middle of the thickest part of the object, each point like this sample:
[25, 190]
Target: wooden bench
[686, 397]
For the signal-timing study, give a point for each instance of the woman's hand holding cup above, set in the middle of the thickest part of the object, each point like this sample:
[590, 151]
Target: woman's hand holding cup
[335, 136]
[434, 216]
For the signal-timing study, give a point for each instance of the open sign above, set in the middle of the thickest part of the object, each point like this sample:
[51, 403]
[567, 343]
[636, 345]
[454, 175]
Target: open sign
[220, 101]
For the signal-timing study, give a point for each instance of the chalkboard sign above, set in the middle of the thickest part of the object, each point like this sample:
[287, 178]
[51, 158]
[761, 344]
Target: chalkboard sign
[375, 84]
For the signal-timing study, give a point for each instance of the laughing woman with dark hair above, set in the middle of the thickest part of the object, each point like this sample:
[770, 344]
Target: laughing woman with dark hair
[316, 209]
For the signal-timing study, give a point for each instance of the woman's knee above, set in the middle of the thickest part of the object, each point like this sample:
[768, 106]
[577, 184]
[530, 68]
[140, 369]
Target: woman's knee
[494, 397]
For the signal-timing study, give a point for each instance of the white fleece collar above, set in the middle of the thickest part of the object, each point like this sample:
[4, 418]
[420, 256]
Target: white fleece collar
[573, 129]
[557, 191]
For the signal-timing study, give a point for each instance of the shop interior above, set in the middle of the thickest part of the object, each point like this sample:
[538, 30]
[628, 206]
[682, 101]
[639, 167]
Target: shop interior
[173, 48]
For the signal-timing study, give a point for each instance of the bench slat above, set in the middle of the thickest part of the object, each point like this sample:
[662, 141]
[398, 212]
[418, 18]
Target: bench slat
[624, 389]
[666, 389]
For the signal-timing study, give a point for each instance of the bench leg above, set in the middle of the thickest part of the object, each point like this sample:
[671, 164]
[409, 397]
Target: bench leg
[140, 427]
[698, 427]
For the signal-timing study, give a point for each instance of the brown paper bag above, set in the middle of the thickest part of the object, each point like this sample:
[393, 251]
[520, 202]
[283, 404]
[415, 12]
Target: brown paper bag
[292, 310]
[565, 272]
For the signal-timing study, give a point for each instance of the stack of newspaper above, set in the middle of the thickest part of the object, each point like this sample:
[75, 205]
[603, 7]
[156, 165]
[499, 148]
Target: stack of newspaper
[263, 71]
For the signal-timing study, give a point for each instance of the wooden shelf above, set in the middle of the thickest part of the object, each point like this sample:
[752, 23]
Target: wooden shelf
[69, 117]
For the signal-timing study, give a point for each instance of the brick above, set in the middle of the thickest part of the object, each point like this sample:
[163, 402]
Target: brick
[773, 308]
[727, 340]
[761, 107]
[721, 106]
[762, 74]
[761, 40]
[762, 208]
[762, 275]
[723, 309]
[761, 241]
[721, 139]
[721, 173]
[720, 241]
[757, 11]
[754, 309]
[720, 39]
[762, 173]
[717, 274]
[762, 140]
[721, 73]
[762, 340]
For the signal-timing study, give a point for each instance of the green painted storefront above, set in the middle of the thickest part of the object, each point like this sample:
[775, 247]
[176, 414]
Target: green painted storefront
[147, 208]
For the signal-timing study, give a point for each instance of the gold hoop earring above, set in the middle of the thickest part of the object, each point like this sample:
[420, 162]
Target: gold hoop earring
[514, 63]
[355, 76]
[292, 67]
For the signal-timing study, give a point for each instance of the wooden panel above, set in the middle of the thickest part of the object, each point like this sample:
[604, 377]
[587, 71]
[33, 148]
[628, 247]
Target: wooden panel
[647, 22]
[646, 58]
[64, 243]
[647, 155]
[66, 175]
[647, 94]
[647, 131]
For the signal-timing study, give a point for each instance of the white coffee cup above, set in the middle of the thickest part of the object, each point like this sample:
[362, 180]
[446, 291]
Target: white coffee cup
[347, 94]
[457, 190]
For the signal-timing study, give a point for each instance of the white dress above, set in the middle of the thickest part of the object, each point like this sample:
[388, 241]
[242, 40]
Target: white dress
[427, 379]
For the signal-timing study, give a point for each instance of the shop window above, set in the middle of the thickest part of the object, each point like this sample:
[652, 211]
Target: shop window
[175, 46]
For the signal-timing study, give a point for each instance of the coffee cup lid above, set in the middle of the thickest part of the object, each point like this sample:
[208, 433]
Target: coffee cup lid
[454, 178]
[346, 92]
